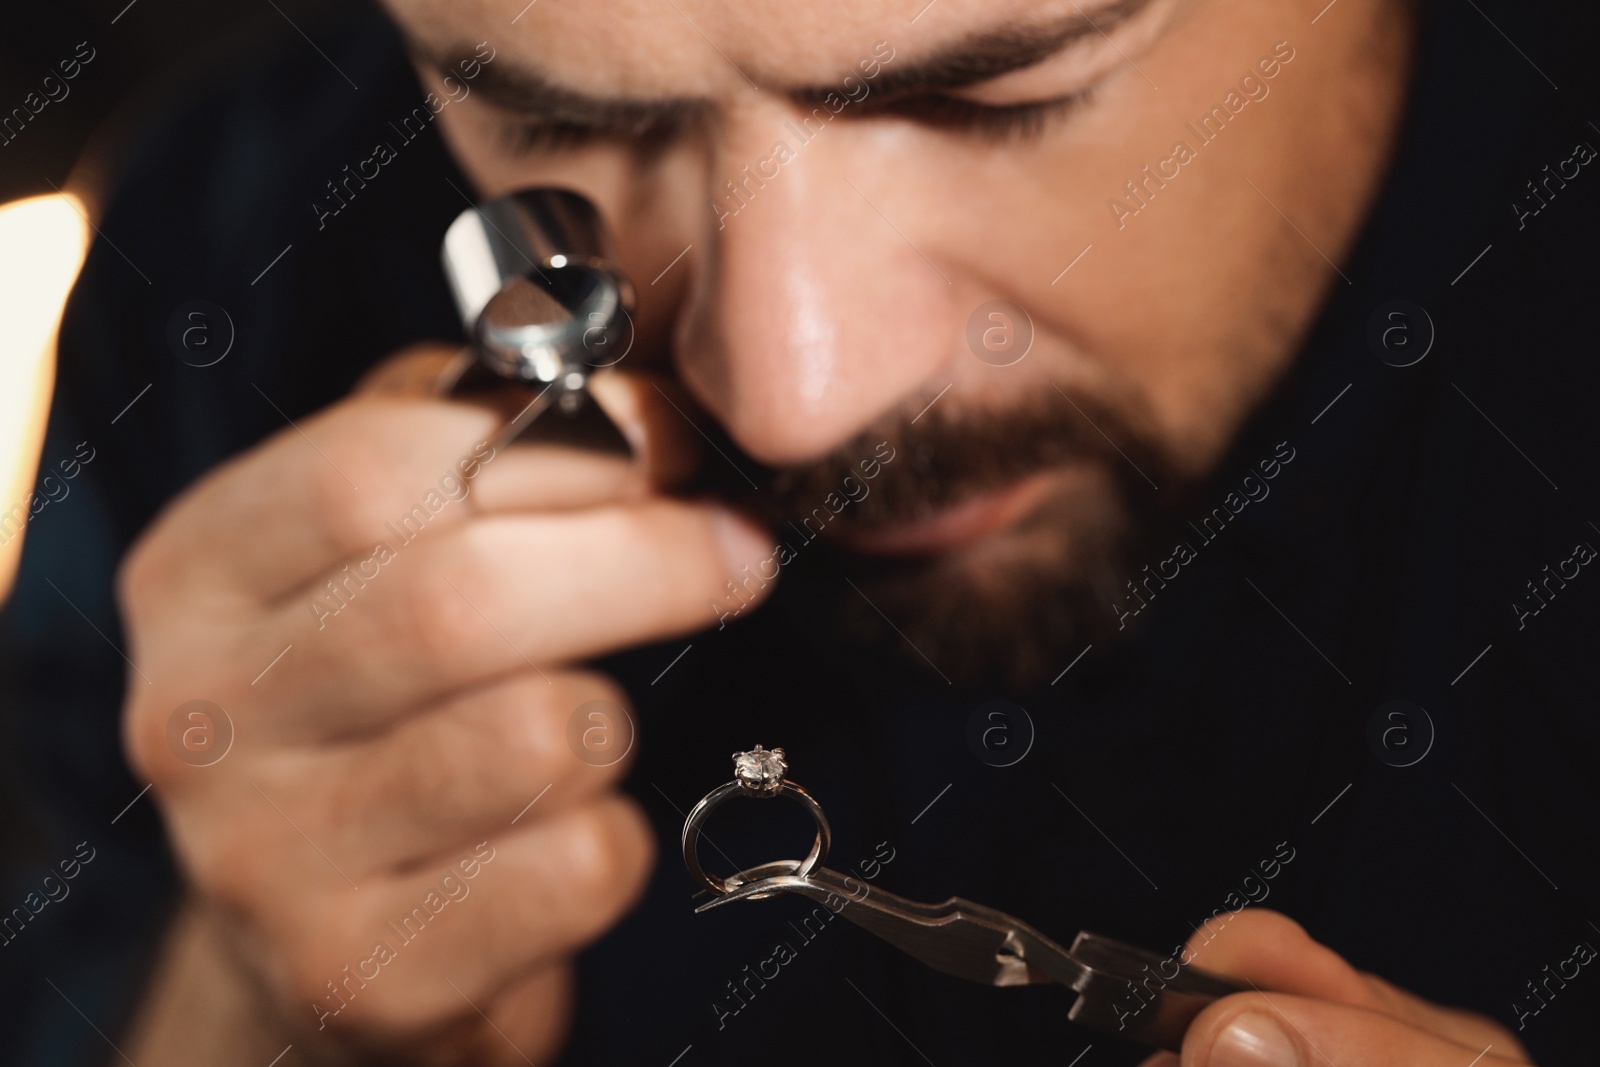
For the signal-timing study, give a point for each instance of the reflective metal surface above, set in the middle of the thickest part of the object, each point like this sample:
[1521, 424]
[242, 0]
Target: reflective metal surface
[536, 283]
[1139, 995]
[697, 817]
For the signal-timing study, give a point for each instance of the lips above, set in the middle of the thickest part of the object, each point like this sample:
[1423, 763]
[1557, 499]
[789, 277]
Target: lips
[954, 527]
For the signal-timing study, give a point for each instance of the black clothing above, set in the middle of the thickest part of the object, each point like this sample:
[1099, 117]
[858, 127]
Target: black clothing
[1384, 564]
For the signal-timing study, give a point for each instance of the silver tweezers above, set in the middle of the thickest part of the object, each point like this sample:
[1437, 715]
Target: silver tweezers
[1123, 990]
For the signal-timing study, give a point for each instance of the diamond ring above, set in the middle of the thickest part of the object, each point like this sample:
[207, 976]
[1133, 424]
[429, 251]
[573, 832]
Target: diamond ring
[758, 773]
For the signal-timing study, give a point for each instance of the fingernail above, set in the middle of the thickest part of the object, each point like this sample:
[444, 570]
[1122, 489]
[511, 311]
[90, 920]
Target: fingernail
[742, 542]
[1254, 1040]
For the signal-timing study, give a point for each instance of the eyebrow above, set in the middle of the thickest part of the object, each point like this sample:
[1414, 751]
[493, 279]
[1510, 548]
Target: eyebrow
[977, 58]
[989, 54]
[526, 91]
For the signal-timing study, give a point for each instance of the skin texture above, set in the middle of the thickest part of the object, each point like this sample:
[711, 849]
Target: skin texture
[402, 735]
[833, 306]
[1319, 1008]
[1174, 315]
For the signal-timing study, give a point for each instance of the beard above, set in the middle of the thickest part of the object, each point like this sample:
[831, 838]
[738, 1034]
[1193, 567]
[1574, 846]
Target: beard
[1011, 608]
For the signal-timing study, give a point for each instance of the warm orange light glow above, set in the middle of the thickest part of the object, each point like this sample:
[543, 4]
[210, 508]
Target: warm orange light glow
[42, 244]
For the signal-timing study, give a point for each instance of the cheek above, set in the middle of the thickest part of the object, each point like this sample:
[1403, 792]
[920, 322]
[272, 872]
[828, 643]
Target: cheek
[1186, 310]
[1191, 296]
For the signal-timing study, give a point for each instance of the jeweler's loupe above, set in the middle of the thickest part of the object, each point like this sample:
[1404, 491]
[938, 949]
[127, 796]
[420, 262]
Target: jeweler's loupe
[544, 303]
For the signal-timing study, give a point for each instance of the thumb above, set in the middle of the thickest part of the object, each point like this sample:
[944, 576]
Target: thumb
[654, 414]
[652, 411]
[1280, 1030]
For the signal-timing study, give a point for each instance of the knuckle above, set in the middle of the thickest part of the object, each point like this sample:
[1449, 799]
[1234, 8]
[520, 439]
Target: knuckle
[223, 868]
[641, 541]
[245, 855]
[354, 455]
[520, 731]
[144, 743]
[678, 573]
[145, 572]
[651, 553]
[369, 441]
[596, 727]
[447, 784]
[305, 979]
[613, 851]
[315, 965]
[382, 1011]
[527, 725]
[581, 685]
[1276, 922]
[433, 614]
[327, 963]
[691, 566]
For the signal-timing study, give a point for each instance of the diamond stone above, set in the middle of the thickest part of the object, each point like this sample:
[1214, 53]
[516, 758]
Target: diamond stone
[759, 770]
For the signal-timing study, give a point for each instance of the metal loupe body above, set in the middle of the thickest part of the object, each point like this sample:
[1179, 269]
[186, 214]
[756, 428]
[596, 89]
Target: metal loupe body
[535, 280]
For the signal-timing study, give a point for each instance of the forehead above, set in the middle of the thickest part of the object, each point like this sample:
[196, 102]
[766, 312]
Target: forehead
[709, 47]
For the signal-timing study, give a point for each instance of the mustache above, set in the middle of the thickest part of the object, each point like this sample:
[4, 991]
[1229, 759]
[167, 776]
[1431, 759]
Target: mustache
[937, 459]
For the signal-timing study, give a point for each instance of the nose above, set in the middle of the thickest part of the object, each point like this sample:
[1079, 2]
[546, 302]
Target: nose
[811, 313]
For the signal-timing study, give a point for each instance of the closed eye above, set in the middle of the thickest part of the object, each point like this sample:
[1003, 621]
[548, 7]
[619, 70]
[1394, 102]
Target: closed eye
[989, 122]
[525, 136]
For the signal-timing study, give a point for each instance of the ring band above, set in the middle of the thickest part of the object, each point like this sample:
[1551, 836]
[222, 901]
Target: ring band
[758, 774]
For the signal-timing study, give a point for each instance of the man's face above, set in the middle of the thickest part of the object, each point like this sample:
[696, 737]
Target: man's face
[822, 204]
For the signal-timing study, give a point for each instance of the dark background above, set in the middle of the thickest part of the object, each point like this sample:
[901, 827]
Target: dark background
[151, 44]
[139, 60]
[1407, 512]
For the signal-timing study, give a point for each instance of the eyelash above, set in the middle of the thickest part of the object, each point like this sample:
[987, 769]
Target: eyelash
[989, 122]
[525, 138]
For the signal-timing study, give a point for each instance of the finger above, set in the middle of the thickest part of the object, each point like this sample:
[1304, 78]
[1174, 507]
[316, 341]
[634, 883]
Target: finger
[648, 409]
[505, 593]
[554, 477]
[534, 894]
[651, 410]
[311, 496]
[531, 1014]
[1463, 1027]
[494, 757]
[385, 464]
[523, 1024]
[1274, 952]
[531, 474]
[1283, 1030]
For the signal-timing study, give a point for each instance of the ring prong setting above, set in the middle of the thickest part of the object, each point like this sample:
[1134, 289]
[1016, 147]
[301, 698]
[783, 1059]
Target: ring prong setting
[760, 771]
